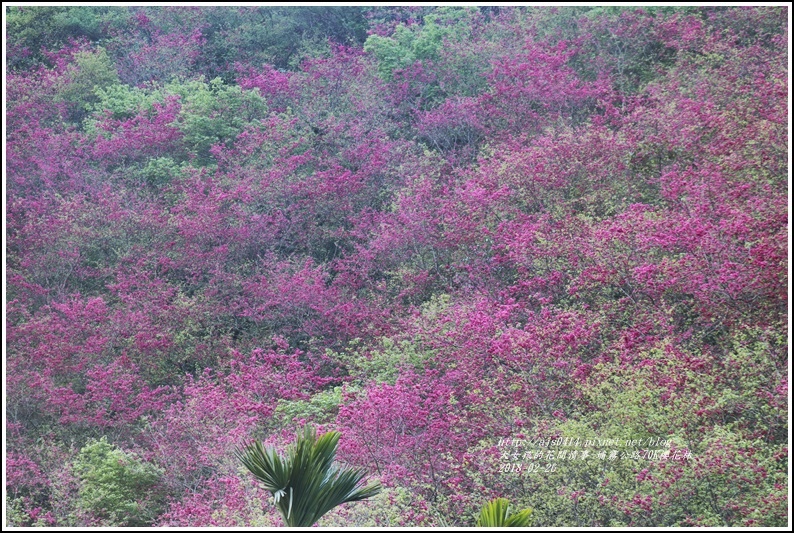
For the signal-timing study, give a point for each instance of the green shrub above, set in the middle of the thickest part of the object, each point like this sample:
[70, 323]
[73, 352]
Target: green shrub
[419, 42]
[319, 409]
[215, 113]
[89, 72]
[117, 486]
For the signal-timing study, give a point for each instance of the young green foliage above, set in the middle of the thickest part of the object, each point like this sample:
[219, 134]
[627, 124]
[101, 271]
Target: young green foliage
[418, 43]
[115, 484]
[215, 113]
[91, 72]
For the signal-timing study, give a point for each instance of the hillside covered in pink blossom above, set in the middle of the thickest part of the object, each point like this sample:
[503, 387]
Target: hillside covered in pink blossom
[530, 252]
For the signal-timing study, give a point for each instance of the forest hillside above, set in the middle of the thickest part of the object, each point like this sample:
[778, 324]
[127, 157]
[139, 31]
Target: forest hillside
[530, 253]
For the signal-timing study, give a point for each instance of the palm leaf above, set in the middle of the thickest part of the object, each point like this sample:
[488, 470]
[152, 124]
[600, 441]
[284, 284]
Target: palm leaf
[306, 483]
[495, 514]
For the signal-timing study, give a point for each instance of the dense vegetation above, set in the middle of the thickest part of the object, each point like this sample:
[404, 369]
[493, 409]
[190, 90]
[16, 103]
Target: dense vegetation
[434, 230]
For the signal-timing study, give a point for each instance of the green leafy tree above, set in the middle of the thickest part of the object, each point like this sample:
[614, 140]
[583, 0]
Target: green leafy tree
[117, 486]
[215, 113]
[90, 72]
[123, 102]
[496, 513]
[305, 483]
[419, 42]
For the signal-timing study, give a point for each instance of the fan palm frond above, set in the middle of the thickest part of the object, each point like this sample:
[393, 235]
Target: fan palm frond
[306, 483]
[495, 514]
